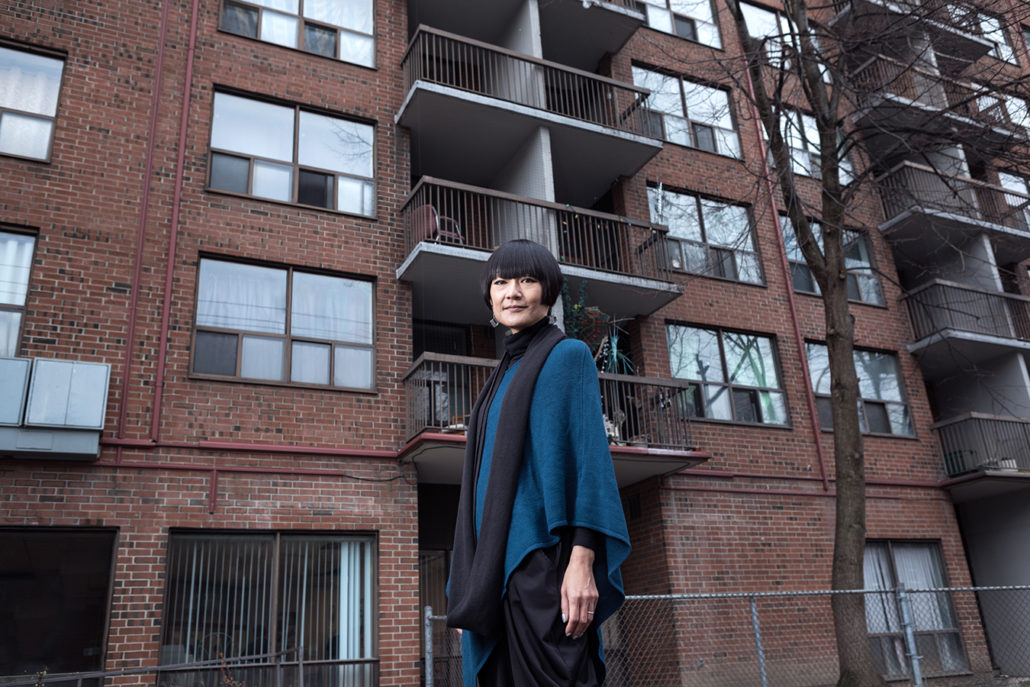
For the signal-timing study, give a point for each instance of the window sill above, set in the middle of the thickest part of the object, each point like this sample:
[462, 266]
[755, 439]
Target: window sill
[683, 38]
[878, 435]
[812, 294]
[45, 161]
[716, 277]
[737, 423]
[684, 146]
[336, 60]
[283, 203]
[195, 376]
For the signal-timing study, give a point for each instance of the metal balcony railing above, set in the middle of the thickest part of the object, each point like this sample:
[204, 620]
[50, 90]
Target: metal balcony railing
[910, 184]
[440, 390]
[881, 74]
[480, 218]
[941, 305]
[978, 441]
[450, 60]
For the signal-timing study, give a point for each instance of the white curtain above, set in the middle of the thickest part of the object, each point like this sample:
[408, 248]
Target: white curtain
[241, 297]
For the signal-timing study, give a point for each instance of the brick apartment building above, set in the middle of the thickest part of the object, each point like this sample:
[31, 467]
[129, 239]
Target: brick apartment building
[240, 327]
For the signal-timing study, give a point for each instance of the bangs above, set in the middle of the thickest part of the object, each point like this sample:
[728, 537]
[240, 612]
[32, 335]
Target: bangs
[522, 258]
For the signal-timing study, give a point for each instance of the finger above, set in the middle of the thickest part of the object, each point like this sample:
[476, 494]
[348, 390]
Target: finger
[565, 608]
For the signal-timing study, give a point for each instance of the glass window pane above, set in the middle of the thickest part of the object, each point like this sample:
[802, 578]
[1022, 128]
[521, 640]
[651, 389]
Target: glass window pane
[280, 29]
[356, 15]
[659, 19]
[698, 9]
[760, 22]
[331, 308]
[707, 105]
[29, 82]
[900, 421]
[748, 268]
[665, 91]
[708, 34]
[230, 173]
[727, 142]
[10, 325]
[252, 127]
[695, 256]
[215, 354]
[336, 144]
[25, 136]
[309, 363]
[320, 40]
[15, 263]
[354, 195]
[357, 48]
[239, 19]
[678, 211]
[745, 405]
[749, 359]
[262, 358]
[704, 137]
[289, 6]
[684, 27]
[694, 353]
[877, 376]
[352, 367]
[818, 367]
[773, 406]
[247, 297]
[272, 180]
[824, 407]
[726, 225]
[677, 130]
[315, 188]
[876, 418]
[717, 402]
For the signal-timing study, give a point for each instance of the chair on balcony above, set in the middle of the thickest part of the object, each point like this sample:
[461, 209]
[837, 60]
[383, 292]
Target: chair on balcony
[429, 225]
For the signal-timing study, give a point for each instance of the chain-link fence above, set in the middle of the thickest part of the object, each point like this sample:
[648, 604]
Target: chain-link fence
[944, 636]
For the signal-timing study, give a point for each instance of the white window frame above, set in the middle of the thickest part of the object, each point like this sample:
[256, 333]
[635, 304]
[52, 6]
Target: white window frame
[19, 117]
[683, 119]
[347, 180]
[353, 43]
[276, 328]
[721, 394]
[894, 410]
[727, 261]
[681, 18]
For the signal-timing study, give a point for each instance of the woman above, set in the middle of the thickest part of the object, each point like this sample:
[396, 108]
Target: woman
[540, 533]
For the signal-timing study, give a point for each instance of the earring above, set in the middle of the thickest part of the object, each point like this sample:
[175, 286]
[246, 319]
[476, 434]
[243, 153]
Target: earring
[494, 323]
[551, 319]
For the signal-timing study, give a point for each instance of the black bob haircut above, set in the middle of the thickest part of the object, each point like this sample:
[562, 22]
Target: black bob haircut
[523, 258]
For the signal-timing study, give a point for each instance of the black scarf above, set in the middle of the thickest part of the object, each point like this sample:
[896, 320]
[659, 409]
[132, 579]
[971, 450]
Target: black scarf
[477, 569]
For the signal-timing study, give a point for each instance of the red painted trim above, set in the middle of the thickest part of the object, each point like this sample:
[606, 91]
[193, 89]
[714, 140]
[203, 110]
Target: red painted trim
[730, 474]
[166, 307]
[785, 264]
[235, 469]
[141, 227]
[787, 492]
[251, 448]
[212, 493]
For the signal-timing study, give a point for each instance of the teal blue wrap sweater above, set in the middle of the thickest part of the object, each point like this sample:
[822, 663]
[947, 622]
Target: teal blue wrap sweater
[566, 480]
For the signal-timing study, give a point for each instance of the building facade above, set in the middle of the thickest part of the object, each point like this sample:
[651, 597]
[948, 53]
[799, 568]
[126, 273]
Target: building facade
[241, 329]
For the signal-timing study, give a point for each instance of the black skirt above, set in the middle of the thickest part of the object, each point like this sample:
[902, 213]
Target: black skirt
[533, 650]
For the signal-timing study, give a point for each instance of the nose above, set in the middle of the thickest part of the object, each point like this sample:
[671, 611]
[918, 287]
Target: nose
[513, 290]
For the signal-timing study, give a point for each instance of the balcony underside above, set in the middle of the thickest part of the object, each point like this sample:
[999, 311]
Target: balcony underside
[949, 351]
[469, 137]
[571, 34]
[445, 281]
[438, 459]
[988, 484]
[919, 234]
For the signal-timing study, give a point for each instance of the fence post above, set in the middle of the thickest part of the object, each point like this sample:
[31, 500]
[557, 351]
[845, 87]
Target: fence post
[910, 638]
[300, 666]
[429, 645]
[758, 642]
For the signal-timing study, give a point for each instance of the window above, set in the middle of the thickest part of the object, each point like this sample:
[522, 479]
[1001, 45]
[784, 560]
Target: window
[987, 26]
[15, 263]
[776, 30]
[802, 137]
[1001, 109]
[690, 19]
[287, 154]
[915, 565]
[882, 407]
[706, 236]
[1017, 203]
[283, 325]
[688, 113]
[735, 375]
[54, 599]
[342, 29]
[233, 595]
[863, 286]
[29, 86]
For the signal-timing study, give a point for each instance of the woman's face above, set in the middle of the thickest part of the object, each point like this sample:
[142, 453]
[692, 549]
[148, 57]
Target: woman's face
[517, 302]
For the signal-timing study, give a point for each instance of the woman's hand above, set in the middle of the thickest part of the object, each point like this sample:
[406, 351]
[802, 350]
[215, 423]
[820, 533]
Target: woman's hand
[578, 592]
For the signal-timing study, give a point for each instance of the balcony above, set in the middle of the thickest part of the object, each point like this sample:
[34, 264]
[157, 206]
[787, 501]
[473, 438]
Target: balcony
[451, 228]
[52, 408]
[998, 447]
[887, 26]
[471, 107]
[649, 434]
[901, 98]
[572, 32]
[958, 325]
[928, 212]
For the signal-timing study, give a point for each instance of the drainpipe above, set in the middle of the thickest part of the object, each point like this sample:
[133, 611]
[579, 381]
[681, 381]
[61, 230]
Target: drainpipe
[141, 227]
[795, 321]
[173, 233]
